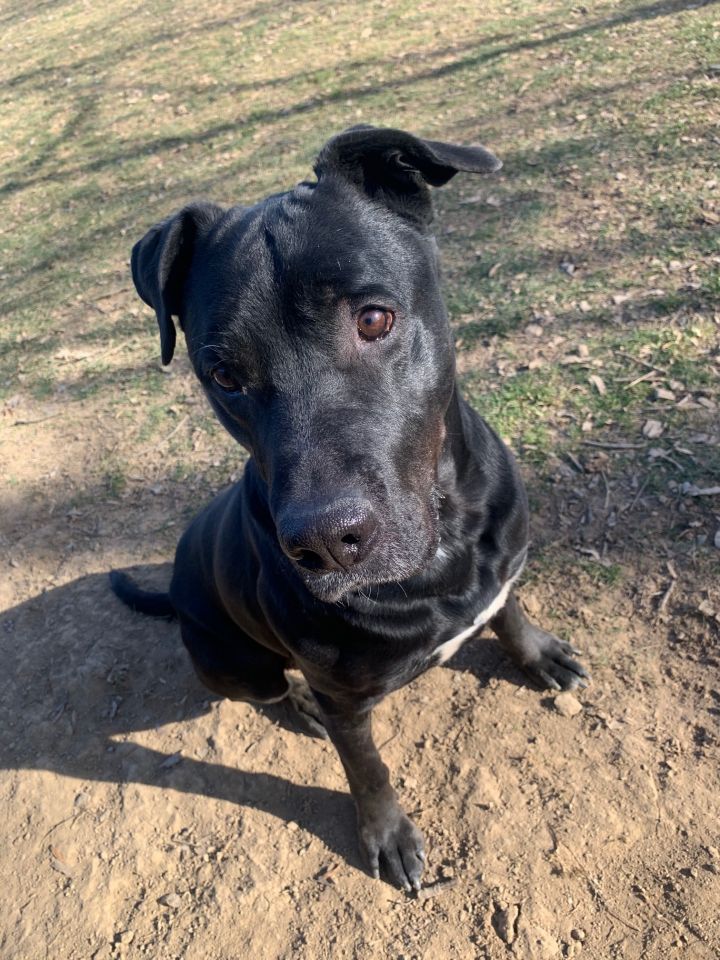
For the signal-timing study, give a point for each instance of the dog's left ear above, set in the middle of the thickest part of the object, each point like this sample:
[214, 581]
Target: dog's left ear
[396, 168]
[160, 263]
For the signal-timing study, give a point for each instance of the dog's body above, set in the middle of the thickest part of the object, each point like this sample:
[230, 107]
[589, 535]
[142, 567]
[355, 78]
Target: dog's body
[380, 522]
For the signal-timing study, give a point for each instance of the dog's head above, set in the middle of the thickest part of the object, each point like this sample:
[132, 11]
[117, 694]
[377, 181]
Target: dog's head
[314, 322]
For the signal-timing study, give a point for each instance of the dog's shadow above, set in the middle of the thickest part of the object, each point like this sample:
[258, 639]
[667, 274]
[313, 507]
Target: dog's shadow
[84, 676]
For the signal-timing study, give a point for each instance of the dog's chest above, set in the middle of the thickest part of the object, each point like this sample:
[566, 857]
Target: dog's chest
[450, 647]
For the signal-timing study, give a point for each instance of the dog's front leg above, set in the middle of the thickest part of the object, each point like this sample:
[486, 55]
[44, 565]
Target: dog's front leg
[387, 836]
[546, 658]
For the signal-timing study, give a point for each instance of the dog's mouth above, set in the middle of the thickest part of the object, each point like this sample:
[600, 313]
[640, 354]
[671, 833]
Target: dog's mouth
[337, 586]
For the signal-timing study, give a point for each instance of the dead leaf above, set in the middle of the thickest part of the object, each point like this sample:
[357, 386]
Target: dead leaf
[662, 394]
[58, 863]
[692, 490]
[709, 217]
[598, 383]
[652, 429]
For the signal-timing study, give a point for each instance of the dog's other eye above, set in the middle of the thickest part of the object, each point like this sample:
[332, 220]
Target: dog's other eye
[373, 323]
[224, 379]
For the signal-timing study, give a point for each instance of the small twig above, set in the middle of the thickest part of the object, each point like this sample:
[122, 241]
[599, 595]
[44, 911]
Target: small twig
[112, 293]
[95, 355]
[638, 495]
[666, 596]
[622, 445]
[643, 363]
[607, 490]
[94, 306]
[703, 492]
[389, 740]
[75, 815]
[575, 462]
[645, 376]
[181, 423]
[442, 886]
[664, 455]
[49, 416]
[597, 891]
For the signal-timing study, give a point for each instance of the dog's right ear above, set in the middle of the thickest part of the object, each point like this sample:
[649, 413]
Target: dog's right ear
[396, 168]
[160, 264]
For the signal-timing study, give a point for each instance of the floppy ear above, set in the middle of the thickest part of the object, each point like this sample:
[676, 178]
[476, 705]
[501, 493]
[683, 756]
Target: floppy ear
[395, 167]
[160, 263]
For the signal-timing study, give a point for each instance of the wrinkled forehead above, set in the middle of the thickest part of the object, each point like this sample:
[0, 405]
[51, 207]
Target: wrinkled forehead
[313, 246]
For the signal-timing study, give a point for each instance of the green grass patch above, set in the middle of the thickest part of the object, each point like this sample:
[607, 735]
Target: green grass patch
[602, 115]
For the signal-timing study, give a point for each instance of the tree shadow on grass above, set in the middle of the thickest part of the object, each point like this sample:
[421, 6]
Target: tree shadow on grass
[265, 116]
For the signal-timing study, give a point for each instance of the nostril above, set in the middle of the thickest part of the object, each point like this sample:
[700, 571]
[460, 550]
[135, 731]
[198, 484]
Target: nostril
[309, 560]
[329, 535]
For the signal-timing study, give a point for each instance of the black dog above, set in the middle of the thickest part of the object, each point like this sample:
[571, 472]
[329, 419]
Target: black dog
[380, 522]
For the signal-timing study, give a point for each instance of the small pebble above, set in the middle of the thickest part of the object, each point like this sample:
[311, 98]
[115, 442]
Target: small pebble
[567, 705]
[578, 934]
[170, 900]
[504, 922]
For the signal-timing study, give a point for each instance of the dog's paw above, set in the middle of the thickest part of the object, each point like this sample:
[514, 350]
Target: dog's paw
[391, 841]
[306, 706]
[548, 661]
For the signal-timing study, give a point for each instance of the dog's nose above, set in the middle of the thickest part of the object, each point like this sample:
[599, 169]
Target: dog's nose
[332, 535]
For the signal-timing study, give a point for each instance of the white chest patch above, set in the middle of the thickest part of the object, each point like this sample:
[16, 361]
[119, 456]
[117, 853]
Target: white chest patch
[451, 646]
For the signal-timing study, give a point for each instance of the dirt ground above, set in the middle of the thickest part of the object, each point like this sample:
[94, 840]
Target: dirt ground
[141, 818]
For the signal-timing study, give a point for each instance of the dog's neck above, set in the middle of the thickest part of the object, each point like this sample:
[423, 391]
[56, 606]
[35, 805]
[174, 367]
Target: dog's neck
[460, 476]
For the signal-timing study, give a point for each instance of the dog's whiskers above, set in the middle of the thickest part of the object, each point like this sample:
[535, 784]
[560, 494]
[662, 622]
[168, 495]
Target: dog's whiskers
[397, 582]
[210, 346]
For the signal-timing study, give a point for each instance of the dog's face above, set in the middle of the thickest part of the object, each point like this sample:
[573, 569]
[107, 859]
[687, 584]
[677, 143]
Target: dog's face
[315, 324]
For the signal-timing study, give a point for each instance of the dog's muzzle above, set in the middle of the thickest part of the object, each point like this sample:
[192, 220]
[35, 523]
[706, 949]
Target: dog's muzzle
[329, 535]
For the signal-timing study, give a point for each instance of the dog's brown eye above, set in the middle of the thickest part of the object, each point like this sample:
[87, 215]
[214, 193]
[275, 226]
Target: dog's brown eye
[374, 323]
[223, 378]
